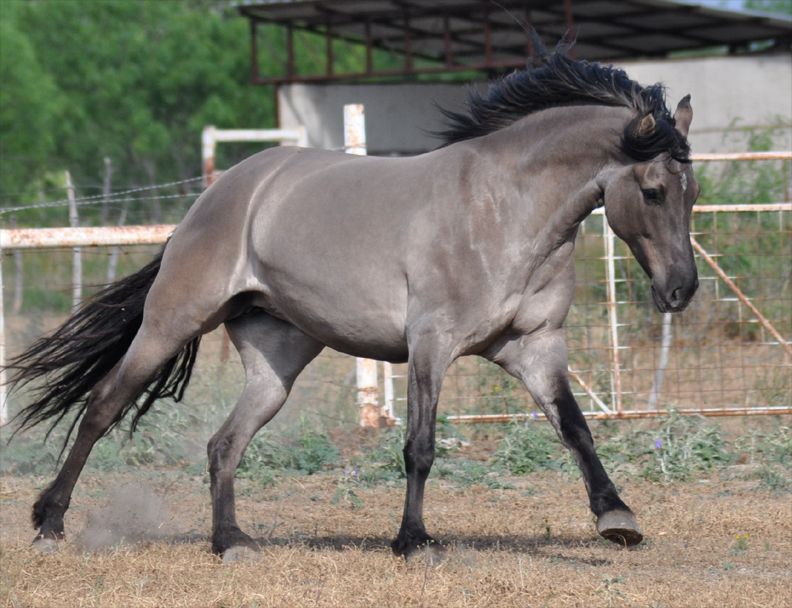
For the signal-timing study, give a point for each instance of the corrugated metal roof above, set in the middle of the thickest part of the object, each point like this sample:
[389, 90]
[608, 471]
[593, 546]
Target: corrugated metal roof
[483, 35]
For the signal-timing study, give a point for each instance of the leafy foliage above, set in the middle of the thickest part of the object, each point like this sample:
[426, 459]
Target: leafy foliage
[528, 447]
[132, 81]
[29, 107]
[308, 452]
[684, 446]
[386, 461]
[135, 82]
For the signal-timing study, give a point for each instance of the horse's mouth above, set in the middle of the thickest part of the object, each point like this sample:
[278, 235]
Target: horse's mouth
[675, 305]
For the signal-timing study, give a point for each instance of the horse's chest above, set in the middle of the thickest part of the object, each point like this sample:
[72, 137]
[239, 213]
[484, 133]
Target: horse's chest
[546, 301]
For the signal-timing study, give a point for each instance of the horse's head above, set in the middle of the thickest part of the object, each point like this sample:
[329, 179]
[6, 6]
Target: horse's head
[648, 205]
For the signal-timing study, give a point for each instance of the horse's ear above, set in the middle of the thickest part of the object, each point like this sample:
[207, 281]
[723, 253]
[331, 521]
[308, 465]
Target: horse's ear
[646, 125]
[683, 115]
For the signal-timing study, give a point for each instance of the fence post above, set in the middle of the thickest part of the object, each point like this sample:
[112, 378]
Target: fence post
[371, 415]
[16, 307]
[3, 405]
[74, 222]
[387, 382]
[112, 262]
[613, 319]
[208, 146]
[665, 346]
[108, 176]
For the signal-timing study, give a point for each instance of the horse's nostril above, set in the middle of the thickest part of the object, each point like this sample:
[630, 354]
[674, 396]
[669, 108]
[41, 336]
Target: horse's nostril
[676, 295]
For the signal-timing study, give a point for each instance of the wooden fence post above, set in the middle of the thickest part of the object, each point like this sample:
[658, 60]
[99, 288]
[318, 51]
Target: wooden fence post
[74, 222]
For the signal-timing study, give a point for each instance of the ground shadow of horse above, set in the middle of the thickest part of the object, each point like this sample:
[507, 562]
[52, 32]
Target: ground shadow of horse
[535, 545]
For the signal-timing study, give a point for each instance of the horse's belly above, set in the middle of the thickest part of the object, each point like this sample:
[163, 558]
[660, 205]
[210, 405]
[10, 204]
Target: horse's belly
[349, 321]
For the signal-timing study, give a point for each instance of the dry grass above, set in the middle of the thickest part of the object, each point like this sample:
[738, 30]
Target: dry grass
[720, 543]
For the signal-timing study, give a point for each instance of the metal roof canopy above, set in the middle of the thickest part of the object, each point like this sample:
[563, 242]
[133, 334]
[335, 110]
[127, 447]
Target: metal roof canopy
[479, 35]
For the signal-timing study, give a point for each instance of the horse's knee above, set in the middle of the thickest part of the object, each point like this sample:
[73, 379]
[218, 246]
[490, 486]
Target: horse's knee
[419, 455]
[217, 451]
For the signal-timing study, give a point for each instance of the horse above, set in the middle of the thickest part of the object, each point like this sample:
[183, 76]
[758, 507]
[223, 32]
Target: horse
[464, 250]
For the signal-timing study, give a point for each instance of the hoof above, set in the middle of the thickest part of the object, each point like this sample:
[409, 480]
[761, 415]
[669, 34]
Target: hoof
[620, 527]
[45, 546]
[240, 553]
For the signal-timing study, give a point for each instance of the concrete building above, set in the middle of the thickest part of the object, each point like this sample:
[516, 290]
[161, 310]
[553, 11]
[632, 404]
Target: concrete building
[731, 96]
[740, 80]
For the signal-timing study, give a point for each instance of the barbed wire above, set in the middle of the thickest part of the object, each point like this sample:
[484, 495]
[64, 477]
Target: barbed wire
[110, 198]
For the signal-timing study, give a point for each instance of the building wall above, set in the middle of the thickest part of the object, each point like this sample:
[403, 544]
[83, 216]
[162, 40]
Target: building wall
[730, 95]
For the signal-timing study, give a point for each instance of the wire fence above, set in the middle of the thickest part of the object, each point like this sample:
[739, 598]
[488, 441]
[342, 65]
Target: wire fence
[728, 353]
[714, 357]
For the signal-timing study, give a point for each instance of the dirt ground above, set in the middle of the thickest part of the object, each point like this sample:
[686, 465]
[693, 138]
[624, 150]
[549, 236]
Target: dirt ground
[719, 542]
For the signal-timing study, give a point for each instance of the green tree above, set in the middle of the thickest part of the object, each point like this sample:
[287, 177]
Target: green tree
[132, 81]
[770, 6]
[28, 110]
[135, 81]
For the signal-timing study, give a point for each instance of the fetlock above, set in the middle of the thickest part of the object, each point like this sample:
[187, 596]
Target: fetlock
[229, 536]
[47, 515]
[607, 501]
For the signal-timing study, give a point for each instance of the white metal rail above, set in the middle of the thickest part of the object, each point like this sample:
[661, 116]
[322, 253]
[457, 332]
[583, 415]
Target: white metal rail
[42, 238]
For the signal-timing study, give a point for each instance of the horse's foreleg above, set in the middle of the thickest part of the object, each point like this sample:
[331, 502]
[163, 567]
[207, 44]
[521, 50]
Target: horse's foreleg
[273, 354]
[426, 369]
[148, 351]
[541, 363]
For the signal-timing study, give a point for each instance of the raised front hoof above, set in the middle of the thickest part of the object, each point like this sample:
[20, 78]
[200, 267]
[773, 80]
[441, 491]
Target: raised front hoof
[620, 527]
[233, 545]
[46, 545]
[411, 546]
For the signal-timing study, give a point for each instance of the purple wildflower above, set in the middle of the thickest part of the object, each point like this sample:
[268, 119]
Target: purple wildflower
[658, 444]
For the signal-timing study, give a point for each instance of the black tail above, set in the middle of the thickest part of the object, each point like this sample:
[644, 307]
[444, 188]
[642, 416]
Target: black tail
[86, 347]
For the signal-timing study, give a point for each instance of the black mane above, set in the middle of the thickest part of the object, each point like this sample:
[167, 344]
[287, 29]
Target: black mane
[559, 81]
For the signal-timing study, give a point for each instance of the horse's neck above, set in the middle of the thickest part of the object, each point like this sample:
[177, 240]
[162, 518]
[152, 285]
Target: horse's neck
[552, 158]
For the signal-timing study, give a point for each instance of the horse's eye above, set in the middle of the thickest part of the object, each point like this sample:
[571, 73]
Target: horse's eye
[653, 196]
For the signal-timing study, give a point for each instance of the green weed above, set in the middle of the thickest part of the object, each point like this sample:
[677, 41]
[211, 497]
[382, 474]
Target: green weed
[345, 493]
[309, 452]
[528, 447]
[773, 479]
[740, 544]
[465, 473]
[386, 461]
[685, 445]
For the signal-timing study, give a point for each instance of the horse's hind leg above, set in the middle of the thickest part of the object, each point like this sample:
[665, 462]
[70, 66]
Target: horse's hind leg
[152, 347]
[273, 353]
[541, 363]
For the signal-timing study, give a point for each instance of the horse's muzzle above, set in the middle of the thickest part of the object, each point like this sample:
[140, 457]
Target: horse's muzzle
[675, 296]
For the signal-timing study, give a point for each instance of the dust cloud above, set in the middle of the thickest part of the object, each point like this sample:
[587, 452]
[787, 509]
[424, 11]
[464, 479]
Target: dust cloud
[134, 514]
